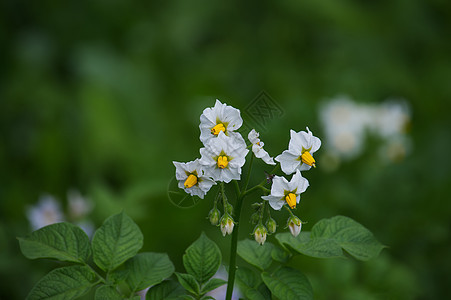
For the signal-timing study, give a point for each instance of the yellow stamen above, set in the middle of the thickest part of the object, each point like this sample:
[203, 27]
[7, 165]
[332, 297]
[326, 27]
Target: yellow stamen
[308, 159]
[217, 129]
[291, 200]
[190, 181]
[222, 162]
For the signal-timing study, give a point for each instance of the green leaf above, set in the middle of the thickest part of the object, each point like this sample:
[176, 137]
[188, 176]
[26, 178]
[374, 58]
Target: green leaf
[288, 284]
[202, 259]
[167, 290]
[254, 294]
[147, 269]
[106, 292]
[212, 284]
[256, 254]
[329, 236]
[246, 278]
[117, 240]
[280, 255]
[319, 247]
[350, 235]
[207, 298]
[64, 283]
[249, 282]
[61, 241]
[189, 282]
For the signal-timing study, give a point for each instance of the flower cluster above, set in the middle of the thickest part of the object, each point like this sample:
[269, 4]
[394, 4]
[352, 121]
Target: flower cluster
[346, 124]
[48, 211]
[223, 156]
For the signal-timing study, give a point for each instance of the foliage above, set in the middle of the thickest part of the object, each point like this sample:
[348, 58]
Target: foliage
[128, 272]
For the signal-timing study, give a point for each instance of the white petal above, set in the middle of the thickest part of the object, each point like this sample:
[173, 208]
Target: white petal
[316, 144]
[298, 183]
[288, 162]
[304, 167]
[279, 185]
[296, 142]
[253, 137]
[206, 183]
[180, 170]
[275, 202]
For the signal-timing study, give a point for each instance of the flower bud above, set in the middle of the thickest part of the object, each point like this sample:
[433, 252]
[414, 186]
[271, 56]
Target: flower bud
[214, 216]
[255, 217]
[294, 224]
[229, 208]
[271, 225]
[260, 234]
[227, 224]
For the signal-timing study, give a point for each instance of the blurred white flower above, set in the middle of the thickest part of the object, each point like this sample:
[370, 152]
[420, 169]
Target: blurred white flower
[223, 157]
[78, 205]
[220, 118]
[192, 179]
[47, 211]
[346, 124]
[220, 292]
[257, 147]
[299, 154]
[87, 227]
[391, 118]
[283, 191]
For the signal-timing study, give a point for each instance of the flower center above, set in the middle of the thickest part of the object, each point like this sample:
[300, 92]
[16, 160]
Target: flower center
[218, 128]
[291, 200]
[190, 181]
[308, 159]
[222, 162]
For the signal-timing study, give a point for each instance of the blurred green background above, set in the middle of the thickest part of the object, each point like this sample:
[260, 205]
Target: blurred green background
[102, 96]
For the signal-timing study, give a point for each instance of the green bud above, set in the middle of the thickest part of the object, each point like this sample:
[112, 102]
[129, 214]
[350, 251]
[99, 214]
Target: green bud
[255, 218]
[214, 216]
[271, 225]
[229, 209]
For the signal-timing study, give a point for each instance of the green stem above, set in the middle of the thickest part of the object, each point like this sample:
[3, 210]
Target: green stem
[234, 244]
[233, 248]
[98, 275]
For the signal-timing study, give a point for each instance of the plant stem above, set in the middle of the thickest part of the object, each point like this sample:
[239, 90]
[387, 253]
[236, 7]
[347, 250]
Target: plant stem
[234, 244]
[233, 248]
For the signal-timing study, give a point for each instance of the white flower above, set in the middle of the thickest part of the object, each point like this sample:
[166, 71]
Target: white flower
[257, 147]
[391, 118]
[295, 225]
[299, 154]
[344, 124]
[192, 179]
[220, 118]
[283, 191]
[79, 206]
[226, 224]
[46, 212]
[223, 157]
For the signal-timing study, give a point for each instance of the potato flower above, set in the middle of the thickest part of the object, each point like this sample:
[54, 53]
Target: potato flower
[284, 192]
[223, 157]
[192, 179]
[220, 118]
[299, 154]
